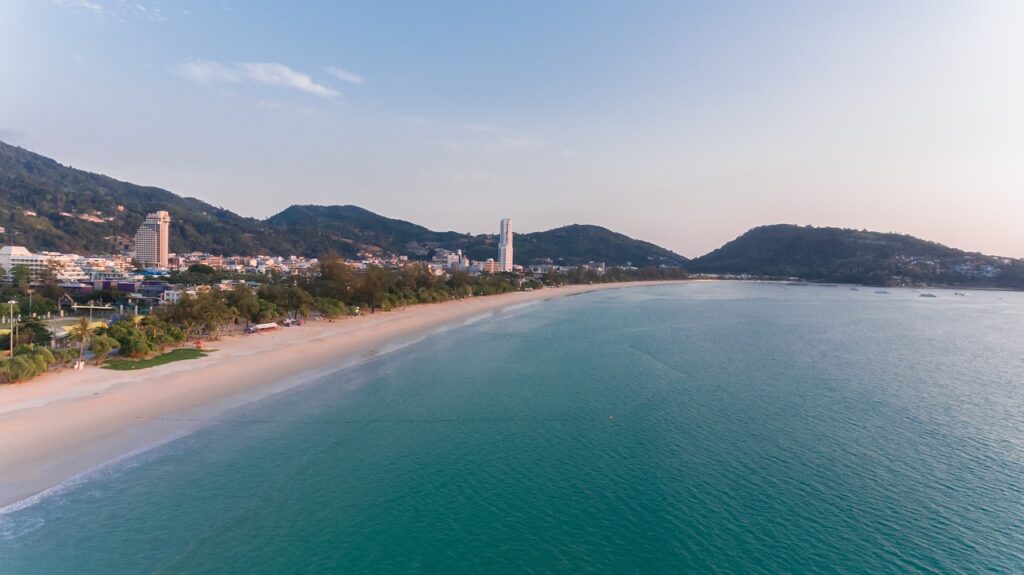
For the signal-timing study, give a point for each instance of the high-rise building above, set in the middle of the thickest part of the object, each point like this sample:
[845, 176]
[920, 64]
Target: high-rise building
[152, 240]
[505, 246]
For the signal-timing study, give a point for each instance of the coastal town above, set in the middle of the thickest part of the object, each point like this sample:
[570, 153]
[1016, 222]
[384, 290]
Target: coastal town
[138, 304]
[140, 271]
[142, 303]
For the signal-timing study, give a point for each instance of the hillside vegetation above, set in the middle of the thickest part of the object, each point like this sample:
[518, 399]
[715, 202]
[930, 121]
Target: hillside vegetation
[78, 211]
[855, 256]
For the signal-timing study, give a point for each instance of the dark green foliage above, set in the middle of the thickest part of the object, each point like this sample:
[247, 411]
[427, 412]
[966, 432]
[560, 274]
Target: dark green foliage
[202, 269]
[101, 346]
[132, 340]
[28, 362]
[30, 331]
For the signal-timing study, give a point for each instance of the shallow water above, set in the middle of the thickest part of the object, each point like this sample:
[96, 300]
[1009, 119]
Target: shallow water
[706, 428]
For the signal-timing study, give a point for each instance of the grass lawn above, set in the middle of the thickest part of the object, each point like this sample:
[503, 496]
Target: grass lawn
[173, 355]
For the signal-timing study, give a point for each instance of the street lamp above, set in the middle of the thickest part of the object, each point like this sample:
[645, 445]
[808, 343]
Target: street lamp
[11, 304]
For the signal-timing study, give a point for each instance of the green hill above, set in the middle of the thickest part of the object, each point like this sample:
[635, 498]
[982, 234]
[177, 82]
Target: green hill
[349, 229]
[577, 244]
[343, 228]
[47, 206]
[855, 256]
[33, 183]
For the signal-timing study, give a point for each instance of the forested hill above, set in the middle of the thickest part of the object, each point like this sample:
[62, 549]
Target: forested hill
[35, 184]
[856, 256]
[335, 227]
[48, 206]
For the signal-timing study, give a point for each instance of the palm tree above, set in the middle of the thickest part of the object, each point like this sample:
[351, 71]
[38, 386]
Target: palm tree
[188, 326]
[80, 334]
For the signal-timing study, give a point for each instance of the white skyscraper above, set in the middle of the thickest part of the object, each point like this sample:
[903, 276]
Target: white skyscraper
[152, 240]
[505, 246]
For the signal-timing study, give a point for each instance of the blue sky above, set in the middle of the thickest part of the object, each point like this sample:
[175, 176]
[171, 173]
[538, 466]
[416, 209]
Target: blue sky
[679, 123]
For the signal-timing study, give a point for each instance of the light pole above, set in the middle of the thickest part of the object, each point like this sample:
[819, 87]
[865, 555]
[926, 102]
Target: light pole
[11, 304]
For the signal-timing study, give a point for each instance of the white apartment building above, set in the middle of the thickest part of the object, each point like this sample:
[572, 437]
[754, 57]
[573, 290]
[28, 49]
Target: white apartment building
[64, 267]
[11, 256]
[505, 246]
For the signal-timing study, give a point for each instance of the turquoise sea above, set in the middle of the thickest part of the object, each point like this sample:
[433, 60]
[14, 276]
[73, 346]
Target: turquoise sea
[700, 428]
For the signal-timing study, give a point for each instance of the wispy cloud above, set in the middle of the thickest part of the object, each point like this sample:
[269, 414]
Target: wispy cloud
[81, 5]
[345, 76]
[265, 73]
[142, 11]
[115, 11]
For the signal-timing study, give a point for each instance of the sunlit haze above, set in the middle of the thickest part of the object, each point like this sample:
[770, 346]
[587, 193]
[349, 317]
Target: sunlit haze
[679, 123]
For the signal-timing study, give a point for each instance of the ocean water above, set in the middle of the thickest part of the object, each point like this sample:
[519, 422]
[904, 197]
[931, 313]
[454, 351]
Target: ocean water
[701, 428]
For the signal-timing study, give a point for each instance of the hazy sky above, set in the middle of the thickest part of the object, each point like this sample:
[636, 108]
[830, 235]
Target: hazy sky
[682, 124]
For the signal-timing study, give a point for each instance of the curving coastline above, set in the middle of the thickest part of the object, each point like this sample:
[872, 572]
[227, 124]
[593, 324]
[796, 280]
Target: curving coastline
[65, 424]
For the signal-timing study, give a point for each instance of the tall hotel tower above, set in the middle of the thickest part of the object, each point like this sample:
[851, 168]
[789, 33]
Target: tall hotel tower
[152, 239]
[505, 246]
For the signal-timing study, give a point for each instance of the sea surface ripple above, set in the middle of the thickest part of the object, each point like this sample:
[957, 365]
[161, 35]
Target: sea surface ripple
[702, 428]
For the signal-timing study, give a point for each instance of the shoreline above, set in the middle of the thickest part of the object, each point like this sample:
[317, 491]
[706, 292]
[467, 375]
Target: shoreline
[63, 425]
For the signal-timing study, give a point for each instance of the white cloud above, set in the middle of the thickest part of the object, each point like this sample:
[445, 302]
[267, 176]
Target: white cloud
[83, 4]
[266, 73]
[344, 75]
[209, 72]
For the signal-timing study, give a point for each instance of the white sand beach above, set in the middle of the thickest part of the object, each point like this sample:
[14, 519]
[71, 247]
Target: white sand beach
[61, 425]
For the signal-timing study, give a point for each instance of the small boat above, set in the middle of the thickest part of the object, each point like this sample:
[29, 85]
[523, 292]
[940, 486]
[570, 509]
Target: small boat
[881, 291]
[960, 293]
[927, 294]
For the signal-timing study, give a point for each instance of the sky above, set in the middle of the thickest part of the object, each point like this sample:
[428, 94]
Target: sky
[679, 123]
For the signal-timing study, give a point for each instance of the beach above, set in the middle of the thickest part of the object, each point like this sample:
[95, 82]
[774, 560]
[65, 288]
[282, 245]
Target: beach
[67, 423]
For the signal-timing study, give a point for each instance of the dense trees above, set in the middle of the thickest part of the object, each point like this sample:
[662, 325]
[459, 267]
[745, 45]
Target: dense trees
[208, 311]
[29, 361]
[100, 346]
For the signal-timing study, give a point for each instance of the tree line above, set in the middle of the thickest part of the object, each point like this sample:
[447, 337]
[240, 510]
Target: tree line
[336, 291]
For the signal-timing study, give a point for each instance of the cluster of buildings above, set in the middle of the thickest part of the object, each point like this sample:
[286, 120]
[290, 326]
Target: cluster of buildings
[284, 265]
[969, 266]
[151, 249]
[149, 255]
[446, 261]
[65, 267]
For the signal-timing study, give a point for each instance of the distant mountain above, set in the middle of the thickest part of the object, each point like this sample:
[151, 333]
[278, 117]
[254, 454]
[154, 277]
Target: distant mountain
[340, 228]
[349, 229]
[35, 184]
[856, 256]
[577, 244]
[47, 206]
